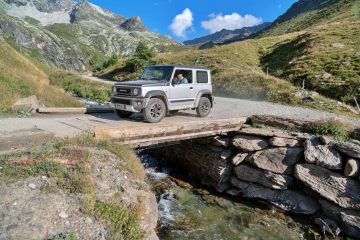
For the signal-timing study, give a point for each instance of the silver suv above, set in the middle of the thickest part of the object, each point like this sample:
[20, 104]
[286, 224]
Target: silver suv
[164, 89]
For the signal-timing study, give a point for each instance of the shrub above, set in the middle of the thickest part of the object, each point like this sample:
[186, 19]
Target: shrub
[142, 56]
[332, 127]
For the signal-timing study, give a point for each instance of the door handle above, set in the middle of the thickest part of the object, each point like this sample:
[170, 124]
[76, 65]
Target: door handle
[191, 88]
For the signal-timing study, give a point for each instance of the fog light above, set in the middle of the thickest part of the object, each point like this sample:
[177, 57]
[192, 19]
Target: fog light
[136, 91]
[138, 103]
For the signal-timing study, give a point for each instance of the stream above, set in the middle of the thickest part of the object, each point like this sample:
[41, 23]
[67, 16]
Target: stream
[188, 211]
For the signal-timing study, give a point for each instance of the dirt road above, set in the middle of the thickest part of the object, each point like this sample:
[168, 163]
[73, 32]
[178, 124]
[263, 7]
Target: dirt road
[70, 125]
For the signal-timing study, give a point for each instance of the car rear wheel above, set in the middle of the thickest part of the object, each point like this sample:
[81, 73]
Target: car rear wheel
[155, 110]
[204, 107]
[122, 114]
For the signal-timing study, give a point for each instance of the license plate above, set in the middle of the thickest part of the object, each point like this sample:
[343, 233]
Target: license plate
[120, 106]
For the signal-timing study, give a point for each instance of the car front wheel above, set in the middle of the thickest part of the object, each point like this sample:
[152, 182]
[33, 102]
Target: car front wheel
[204, 107]
[155, 110]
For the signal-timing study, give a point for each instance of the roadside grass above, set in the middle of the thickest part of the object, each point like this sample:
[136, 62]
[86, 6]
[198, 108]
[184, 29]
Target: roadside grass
[80, 87]
[72, 175]
[329, 127]
[19, 78]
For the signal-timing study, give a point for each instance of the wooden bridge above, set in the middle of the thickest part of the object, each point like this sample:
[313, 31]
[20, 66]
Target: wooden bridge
[158, 134]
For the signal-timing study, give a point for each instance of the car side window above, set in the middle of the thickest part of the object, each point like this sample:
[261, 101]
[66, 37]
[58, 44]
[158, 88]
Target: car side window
[202, 77]
[183, 76]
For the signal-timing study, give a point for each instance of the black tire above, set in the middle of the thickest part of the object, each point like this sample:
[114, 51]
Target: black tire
[122, 114]
[204, 107]
[155, 110]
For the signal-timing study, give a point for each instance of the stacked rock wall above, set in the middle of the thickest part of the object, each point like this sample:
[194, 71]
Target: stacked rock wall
[293, 171]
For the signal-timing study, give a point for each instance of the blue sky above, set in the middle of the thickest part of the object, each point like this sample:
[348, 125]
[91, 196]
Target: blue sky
[197, 17]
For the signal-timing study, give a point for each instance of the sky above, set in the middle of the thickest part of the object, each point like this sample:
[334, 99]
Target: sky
[188, 19]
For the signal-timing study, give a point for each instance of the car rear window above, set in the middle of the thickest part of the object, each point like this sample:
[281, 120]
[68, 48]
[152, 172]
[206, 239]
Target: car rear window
[202, 77]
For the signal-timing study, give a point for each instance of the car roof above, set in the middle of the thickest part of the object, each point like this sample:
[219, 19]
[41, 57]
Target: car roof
[179, 66]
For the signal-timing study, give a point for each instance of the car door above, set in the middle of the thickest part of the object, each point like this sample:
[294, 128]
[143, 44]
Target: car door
[182, 95]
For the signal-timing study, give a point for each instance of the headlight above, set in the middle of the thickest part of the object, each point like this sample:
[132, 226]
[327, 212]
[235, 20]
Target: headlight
[136, 91]
[114, 90]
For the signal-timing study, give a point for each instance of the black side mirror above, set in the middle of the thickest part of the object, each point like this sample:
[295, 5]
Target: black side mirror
[175, 81]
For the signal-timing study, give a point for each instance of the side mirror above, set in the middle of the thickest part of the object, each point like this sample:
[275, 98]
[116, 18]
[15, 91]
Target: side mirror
[175, 81]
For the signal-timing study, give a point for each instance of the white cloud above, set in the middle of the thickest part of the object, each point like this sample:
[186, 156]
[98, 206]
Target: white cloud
[181, 23]
[230, 22]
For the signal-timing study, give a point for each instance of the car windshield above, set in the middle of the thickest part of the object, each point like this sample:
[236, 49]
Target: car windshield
[157, 73]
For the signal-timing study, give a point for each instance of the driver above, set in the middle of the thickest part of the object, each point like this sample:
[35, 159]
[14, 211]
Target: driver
[182, 79]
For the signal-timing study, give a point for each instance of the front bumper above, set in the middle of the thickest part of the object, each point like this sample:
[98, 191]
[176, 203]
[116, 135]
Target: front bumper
[129, 104]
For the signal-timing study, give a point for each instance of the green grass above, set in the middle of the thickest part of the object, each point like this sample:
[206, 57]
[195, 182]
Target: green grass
[75, 84]
[329, 127]
[123, 225]
[20, 77]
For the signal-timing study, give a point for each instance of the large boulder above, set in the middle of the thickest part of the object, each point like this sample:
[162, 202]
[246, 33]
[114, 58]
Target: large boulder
[322, 155]
[273, 132]
[349, 219]
[350, 148]
[265, 178]
[286, 200]
[28, 104]
[343, 191]
[249, 143]
[277, 160]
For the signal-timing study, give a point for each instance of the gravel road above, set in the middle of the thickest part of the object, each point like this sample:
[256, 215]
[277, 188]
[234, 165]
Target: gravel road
[70, 125]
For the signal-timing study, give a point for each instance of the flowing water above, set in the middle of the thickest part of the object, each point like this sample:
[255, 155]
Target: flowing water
[193, 213]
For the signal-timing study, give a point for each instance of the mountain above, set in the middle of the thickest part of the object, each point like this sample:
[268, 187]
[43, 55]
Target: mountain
[66, 34]
[20, 77]
[225, 35]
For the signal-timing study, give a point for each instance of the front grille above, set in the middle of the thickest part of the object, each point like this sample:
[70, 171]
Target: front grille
[121, 101]
[123, 91]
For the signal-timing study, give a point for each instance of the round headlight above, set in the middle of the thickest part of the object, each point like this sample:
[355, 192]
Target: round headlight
[136, 91]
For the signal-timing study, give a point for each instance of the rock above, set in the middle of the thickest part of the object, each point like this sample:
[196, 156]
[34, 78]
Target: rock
[328, 225]
[277, 160]
[28, 104]
[221, 141]
[133, 24]
[32, 186]
[226, 154]
[283, 142]
[356, 134]
[352, 168]
[287, 200]
[63, 215]
[322, 155]
[215, 148]
[337, 45]
[349, 219]
[276, 121]
[264, 178]
[350, 148]
[273, 132]
[88, 220]
[248, 143]
[325, 140]
[239, 158]
[331, 185]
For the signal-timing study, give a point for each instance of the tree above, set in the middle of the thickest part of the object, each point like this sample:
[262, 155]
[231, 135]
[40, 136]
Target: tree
[142, 56]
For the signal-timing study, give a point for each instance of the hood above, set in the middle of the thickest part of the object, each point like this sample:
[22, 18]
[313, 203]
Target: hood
[140, 83]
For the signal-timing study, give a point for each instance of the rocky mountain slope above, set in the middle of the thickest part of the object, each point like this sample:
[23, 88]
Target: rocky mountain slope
[20, 77]
[225, 35]
[66, 34]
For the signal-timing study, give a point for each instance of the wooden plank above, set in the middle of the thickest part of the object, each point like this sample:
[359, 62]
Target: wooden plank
[50, 110]
[161, 133]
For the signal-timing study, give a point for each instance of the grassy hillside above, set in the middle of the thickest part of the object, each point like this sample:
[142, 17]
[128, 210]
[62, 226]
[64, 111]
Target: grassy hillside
[336, 10]
[19, 78]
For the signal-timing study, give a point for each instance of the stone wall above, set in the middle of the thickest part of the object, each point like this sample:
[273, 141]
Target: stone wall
[295, 172]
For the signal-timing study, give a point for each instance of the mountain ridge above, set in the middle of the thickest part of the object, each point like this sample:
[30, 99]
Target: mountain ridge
[224, 35]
